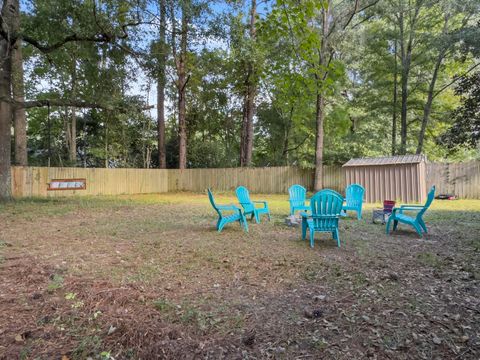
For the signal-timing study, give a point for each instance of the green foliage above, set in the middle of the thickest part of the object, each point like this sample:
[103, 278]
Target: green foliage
[358, 81]
[55, 283]
[466, 127]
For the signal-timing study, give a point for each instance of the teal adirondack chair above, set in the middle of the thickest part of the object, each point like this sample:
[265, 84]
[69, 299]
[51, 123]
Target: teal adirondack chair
[354, 199]
[234, 214]
[326, 206]
[417, 221]
[249, 206]
[297, 197]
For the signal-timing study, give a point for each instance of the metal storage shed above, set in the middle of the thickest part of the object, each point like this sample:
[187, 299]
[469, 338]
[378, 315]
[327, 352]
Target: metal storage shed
[401, 178]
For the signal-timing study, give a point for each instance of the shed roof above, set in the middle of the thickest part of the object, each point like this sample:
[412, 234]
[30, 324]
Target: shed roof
[386, 160]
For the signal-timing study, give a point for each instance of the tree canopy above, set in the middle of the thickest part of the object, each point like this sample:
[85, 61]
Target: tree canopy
[192, 83]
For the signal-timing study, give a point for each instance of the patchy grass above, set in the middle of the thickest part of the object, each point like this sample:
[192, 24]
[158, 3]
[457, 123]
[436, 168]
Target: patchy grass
[147, 275]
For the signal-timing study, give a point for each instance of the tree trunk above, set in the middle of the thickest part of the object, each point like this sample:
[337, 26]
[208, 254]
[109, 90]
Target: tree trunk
[320, 105]
[404, 87]
[246, 146]
[182, 82]
[148, 158]
[70, 125]
[406, 54]
[106, 146]
[8, 13]
[161, 80]
[285, 146]
[286, 136]
[428, 105]
[395, 101]
[320, 117]
[243, 134]
[18, 90]
[72, 151]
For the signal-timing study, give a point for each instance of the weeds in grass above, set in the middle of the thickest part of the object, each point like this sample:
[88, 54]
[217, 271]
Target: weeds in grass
[105, 355]
[359, 279]
[319, 344]
[55, 283]
[88, 346]
[3, 244]
[336, 270]
[24, 353]
[191, 315]
[205, 321]
[164, 305]
[429, 259]
[476, 244]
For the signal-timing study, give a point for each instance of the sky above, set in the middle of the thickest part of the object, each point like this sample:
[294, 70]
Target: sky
[218, 8]
[143, 86]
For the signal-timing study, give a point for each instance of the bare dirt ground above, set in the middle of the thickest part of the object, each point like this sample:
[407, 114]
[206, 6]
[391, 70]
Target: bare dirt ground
[148, 277]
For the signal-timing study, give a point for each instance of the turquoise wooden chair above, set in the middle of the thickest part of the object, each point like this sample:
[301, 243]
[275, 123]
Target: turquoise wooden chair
[326, 206]
[235, 214]
[297, 197]
[354, 199]
[249, 206]
[417, 221]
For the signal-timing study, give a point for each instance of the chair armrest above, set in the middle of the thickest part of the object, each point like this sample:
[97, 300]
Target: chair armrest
[265, 205]
[228, 207]
[411, 206]
[306, 215]
[298, 201]
[402, 209]
[324, 216]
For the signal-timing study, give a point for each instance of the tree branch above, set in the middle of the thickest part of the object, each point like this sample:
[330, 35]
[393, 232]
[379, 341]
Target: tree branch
[185, 84]
[297, 146]
[70, 102]
[455, 79]
[355, 10]
[97, 38]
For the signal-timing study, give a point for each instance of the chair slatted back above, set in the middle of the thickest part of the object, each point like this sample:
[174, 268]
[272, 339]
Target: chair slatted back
[297, 194]
[212, 201]
[430, 197]
[244, 198]
[354, 195]
[326, 203]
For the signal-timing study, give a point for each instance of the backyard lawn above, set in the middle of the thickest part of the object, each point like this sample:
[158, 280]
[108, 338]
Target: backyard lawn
[148, 277]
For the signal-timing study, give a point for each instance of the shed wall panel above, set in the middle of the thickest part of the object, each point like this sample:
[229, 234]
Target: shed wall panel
[400, 182]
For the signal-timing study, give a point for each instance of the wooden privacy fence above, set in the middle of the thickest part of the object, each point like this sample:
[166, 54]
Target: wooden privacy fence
[33, 181]
[462, 179]
[257, 180]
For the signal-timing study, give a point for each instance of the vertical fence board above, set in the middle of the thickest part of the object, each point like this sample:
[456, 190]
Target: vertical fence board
[462, 179]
